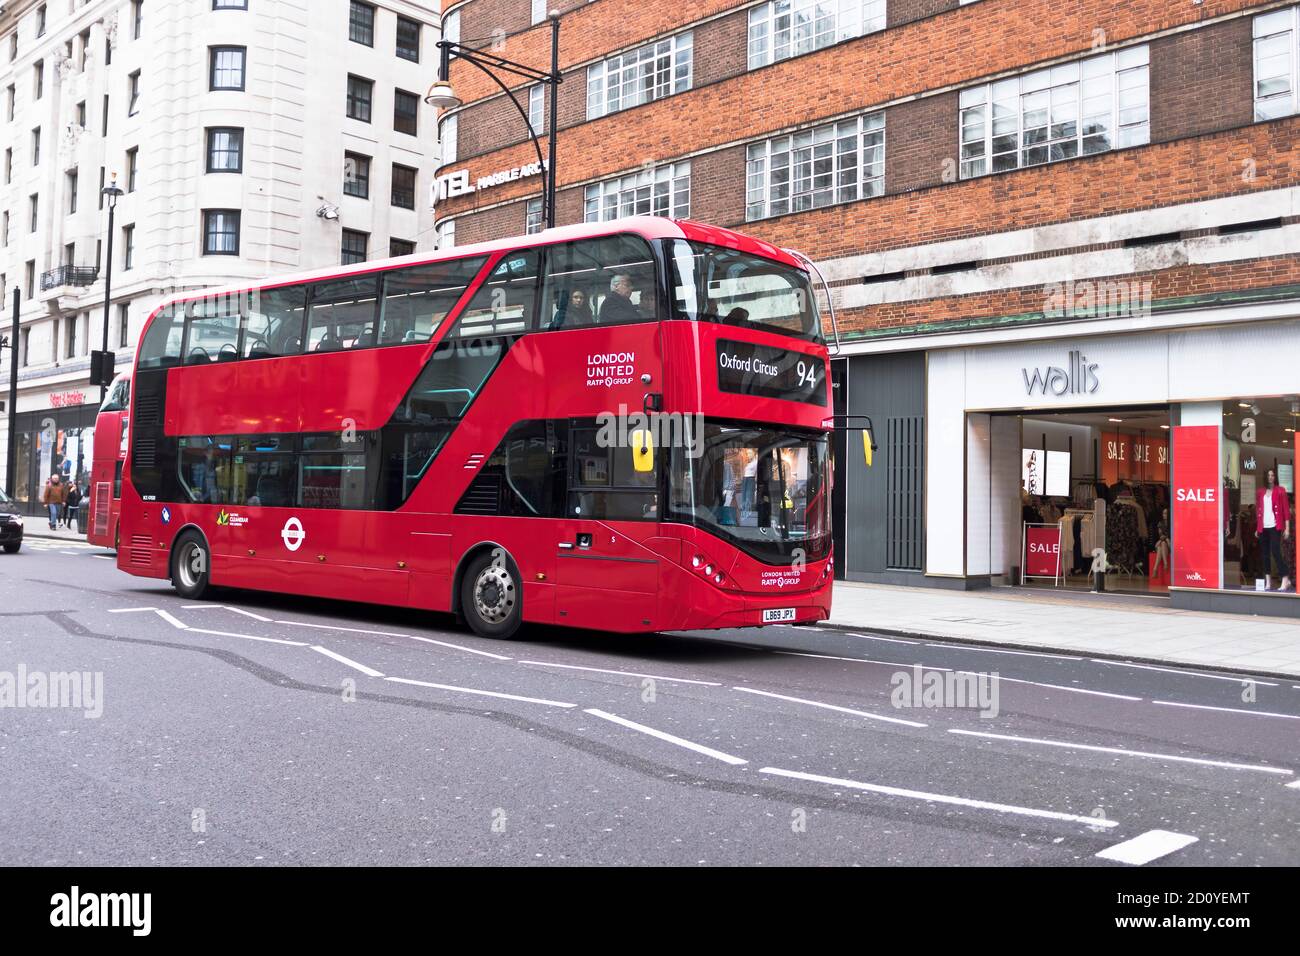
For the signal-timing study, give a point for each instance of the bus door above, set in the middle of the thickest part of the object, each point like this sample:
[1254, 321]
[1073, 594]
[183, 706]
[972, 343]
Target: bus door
[605, 577]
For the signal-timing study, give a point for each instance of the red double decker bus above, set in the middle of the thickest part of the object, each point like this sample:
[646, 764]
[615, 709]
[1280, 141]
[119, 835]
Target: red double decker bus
[620, 426]
[112, 429]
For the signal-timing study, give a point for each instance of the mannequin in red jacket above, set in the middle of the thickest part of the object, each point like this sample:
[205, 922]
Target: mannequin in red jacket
[1272, 524]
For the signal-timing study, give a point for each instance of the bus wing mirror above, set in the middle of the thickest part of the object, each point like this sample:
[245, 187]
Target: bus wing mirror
[643, 451]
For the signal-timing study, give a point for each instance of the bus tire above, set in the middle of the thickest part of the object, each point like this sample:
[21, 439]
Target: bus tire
[191, 565]
[491, 596]
[13, 547]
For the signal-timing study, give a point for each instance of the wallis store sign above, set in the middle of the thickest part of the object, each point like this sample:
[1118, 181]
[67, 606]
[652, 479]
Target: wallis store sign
[1079, 377]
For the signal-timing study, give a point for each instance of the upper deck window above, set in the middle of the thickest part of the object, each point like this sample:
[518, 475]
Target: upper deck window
[607, 281]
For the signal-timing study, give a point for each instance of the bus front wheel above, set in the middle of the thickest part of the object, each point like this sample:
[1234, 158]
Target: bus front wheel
[490, 596]
[191, 566]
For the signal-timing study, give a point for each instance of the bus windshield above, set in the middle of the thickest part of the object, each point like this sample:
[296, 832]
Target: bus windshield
[764, 490]
[715, 284]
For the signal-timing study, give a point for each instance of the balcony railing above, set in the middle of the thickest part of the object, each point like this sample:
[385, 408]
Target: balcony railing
[68, 275]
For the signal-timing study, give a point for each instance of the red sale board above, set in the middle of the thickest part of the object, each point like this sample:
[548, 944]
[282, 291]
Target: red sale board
[1196, 494]
[1042, 551]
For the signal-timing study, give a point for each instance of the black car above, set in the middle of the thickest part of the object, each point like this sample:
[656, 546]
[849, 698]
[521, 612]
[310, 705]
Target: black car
[11, 525]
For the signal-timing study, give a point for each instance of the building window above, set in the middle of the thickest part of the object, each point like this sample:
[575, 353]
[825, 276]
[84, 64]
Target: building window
[639, 76]
[784, 28]
[104, 130]
[536, 107]
[229, 4]
[132, 168]
[400, 247]
[72, 192]
[533, 221]
[538, 11]
[227, 67]
[36, 146]
[221, 232]
[838, 162]
[34, 204]
[356, 175]
[137, 18]
[38, 79]
[11, 102]
[1276, 58]
[70, 344]
[40, 20]
[448, 129]
[406, 112]
[446, 232]
[408, 39]
[81, 114]
[133, 93]
[361, 23]
[31, 287]
[361, 93]
[9, 165]
[1076, 109]
[123, 326]
[403, 186]
[128, 248]
[663, 191]
[355, 245]
[225, 149]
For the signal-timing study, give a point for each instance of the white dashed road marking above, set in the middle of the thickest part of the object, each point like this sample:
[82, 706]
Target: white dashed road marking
[943, 798]
[1066, 745]
[602, 670]
[1185, 673]
[247, 637]
[459, 647]
[1228, 710]
[480, 693]
[667, 738]
[368, 671]
[835, 707]
[1149, 846]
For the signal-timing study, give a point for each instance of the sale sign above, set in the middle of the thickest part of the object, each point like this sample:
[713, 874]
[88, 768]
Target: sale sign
[1042, 551]
[1197, 489]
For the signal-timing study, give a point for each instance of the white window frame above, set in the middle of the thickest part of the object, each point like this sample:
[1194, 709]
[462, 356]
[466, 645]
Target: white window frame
[448, 132]
[643, 75]
[999, 128]
[533, 221]
[537, 107]
[813, 168]
[781, 29]
[539, 11]
[447, 234]
[1275, 48]
[654, 191]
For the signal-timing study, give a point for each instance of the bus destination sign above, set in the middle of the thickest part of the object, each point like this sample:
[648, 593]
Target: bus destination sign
[748, 369]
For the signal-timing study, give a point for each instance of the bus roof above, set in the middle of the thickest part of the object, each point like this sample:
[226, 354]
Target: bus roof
[649, 227]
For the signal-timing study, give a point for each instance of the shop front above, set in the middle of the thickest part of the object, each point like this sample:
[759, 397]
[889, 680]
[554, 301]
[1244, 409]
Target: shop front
[1162, 459]
[56, 438]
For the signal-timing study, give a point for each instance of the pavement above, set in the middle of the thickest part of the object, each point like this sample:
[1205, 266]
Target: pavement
[260, 729]
[1133, 628]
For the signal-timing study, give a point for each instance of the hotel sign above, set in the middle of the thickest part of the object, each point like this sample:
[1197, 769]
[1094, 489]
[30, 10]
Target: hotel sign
[458, 182]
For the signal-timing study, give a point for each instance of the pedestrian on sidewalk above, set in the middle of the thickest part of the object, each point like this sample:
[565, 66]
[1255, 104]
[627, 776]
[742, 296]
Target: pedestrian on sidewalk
[1272, 524]
[70, 507]
[54, 497]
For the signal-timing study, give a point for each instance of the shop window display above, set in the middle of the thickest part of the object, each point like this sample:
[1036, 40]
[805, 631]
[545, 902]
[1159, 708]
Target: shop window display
[1259, 494]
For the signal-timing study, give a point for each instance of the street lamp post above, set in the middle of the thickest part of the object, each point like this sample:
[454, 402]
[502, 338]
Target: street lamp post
[11, 457]
[111, 192]
[441, 95]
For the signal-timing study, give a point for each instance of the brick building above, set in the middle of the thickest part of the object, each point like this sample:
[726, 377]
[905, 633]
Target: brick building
[1054, 234]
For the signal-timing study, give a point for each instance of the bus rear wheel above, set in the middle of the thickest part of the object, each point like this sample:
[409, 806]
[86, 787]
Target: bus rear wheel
[490, 596]
[191, 566]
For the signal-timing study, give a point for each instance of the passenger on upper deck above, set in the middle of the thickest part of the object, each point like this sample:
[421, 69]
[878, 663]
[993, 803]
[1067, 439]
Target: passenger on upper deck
[618, 305]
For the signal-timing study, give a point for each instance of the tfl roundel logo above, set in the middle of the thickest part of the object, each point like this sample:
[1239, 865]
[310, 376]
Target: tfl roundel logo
[166, 515]
[293, 534]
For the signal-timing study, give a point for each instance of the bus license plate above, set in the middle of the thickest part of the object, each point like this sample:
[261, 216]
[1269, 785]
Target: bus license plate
[778, 615]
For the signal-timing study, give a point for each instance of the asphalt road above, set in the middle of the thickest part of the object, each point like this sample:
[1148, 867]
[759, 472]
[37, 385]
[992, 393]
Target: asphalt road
[262, 729]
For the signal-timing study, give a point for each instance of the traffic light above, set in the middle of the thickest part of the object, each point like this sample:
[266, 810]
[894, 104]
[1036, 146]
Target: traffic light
[102, 368]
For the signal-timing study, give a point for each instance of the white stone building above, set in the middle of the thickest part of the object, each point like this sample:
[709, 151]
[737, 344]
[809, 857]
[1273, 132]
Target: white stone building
[251, 137]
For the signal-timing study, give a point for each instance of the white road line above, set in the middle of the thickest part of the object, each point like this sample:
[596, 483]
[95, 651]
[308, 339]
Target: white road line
[842, 710]
[129, 610]
[226, 607]
[877, 637]
[998, 650]
[171, 620]
[368, 671]
[1065, 744]
[1293, 785]
[859, 660]
[1146, 847]
[1185, 673]
[1228, 710]
[1076, 690]
[481, 693]
[602, 670]
[335, 627]
[106, 557]
[667, 738]
[247, 637]
[460, 647]
[71, 554]
[943, 798]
